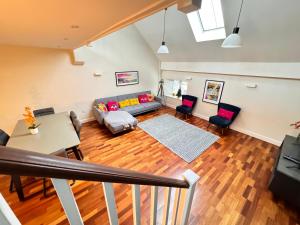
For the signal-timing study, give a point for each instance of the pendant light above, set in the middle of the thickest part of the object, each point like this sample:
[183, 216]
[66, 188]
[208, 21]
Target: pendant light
[234, 39]
[163, 49]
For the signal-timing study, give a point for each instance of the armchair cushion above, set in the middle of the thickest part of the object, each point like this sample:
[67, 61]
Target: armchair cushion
[184, 109]
[226, 114]
[220, 121]
[187, 103]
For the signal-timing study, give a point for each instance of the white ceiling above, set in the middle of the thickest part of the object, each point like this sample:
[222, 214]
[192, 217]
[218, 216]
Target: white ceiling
[46, 23]
[270, 30]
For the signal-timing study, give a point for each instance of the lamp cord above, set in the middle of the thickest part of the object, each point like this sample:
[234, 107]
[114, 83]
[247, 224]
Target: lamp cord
[237, 23]
[164, 25]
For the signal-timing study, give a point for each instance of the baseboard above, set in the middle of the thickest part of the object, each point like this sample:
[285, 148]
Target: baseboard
[86, 120]
[241, 130]
[258, 136]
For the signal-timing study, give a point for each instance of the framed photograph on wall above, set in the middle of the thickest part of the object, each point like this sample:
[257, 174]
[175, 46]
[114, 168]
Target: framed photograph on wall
[127, 78]
[213, 91]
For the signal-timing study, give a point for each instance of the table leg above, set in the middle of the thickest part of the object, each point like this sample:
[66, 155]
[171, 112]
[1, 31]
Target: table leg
[18, 186]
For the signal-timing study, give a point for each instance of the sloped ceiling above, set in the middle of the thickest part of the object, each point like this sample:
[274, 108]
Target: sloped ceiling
[270, 31]
[48, 23]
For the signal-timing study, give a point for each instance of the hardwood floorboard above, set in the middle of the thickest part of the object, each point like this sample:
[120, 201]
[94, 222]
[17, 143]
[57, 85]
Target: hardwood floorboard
[233, 188]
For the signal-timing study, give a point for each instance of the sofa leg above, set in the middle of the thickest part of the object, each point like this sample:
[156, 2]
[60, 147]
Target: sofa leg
[186, 116]
[175, 113]
[222, 131]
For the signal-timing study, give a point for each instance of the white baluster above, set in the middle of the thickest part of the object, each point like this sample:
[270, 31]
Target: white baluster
[110, 203]
[67, 200]
[136, 201]
[192, 179]
[176, 206]
[167, 198]
[7, 216]
[153, 212]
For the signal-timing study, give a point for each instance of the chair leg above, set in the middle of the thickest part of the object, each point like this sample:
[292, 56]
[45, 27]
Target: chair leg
[186, 116]
[76, 152]
[11, 185]
[44, 187]
[80, 153]
[175, 113]
[222, 131]
[208, 126]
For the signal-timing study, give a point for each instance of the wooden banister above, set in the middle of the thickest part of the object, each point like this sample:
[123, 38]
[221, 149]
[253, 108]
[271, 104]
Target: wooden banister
[26, 163]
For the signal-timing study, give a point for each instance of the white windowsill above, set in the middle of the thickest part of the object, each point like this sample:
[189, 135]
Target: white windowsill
[174, 97]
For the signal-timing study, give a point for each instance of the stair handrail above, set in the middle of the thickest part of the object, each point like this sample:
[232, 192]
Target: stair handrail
[26, 163]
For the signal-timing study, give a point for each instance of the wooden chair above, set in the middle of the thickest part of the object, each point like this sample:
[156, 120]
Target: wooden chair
[43, 112]
[77, 126]
[4, 137]
[73, 116]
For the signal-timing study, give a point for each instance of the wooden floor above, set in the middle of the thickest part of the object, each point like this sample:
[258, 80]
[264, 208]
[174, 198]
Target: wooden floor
[232, 190]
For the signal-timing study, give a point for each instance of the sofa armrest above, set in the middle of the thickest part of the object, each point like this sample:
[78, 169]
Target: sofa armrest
[158, 99]
[99, 115]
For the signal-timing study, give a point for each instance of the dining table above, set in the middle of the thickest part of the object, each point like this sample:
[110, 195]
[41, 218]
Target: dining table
[56, 133]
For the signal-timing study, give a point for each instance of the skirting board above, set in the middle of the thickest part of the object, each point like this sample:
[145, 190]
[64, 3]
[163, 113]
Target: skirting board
[241, 130]
[87, 120]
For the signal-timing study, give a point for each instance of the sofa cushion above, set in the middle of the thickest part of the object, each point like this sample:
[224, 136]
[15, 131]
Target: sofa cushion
[113, 106]
[143, 98]
[134, 101]
[102, 107]
[134, 109]
[120, 97]
[124, 97]
[124, 103]
[151, 105]
[105, 100]
[150, 97]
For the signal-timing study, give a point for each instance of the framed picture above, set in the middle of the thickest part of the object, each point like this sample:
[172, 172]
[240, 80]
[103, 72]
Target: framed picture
[127, 78]
[213, 91]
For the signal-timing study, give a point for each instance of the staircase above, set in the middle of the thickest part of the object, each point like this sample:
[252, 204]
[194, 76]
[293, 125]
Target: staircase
[60, 170]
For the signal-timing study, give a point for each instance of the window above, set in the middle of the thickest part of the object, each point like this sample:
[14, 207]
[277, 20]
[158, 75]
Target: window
[208, 23]
[171, 87]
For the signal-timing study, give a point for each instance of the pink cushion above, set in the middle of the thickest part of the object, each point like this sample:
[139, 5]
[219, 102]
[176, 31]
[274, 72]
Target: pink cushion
[113, 106]
[143, 98]
[226, 114]
[187, 103]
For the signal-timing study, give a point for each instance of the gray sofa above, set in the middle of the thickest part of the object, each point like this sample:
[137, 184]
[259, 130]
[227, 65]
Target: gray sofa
[133, 110]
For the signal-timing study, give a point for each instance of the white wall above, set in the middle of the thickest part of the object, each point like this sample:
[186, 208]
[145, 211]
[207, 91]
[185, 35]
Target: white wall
[255, 69]
[40, 77]
[267, 110]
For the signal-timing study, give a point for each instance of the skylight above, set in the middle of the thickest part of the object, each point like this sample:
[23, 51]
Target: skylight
[208, 23]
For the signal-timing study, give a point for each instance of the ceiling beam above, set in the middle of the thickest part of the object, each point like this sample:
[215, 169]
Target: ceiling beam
[151, 9]
[187, 6]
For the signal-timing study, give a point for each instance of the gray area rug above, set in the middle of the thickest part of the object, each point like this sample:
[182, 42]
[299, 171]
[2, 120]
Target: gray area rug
[184, 139]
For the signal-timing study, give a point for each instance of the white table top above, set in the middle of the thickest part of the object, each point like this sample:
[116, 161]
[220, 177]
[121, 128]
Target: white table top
[55, 133]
